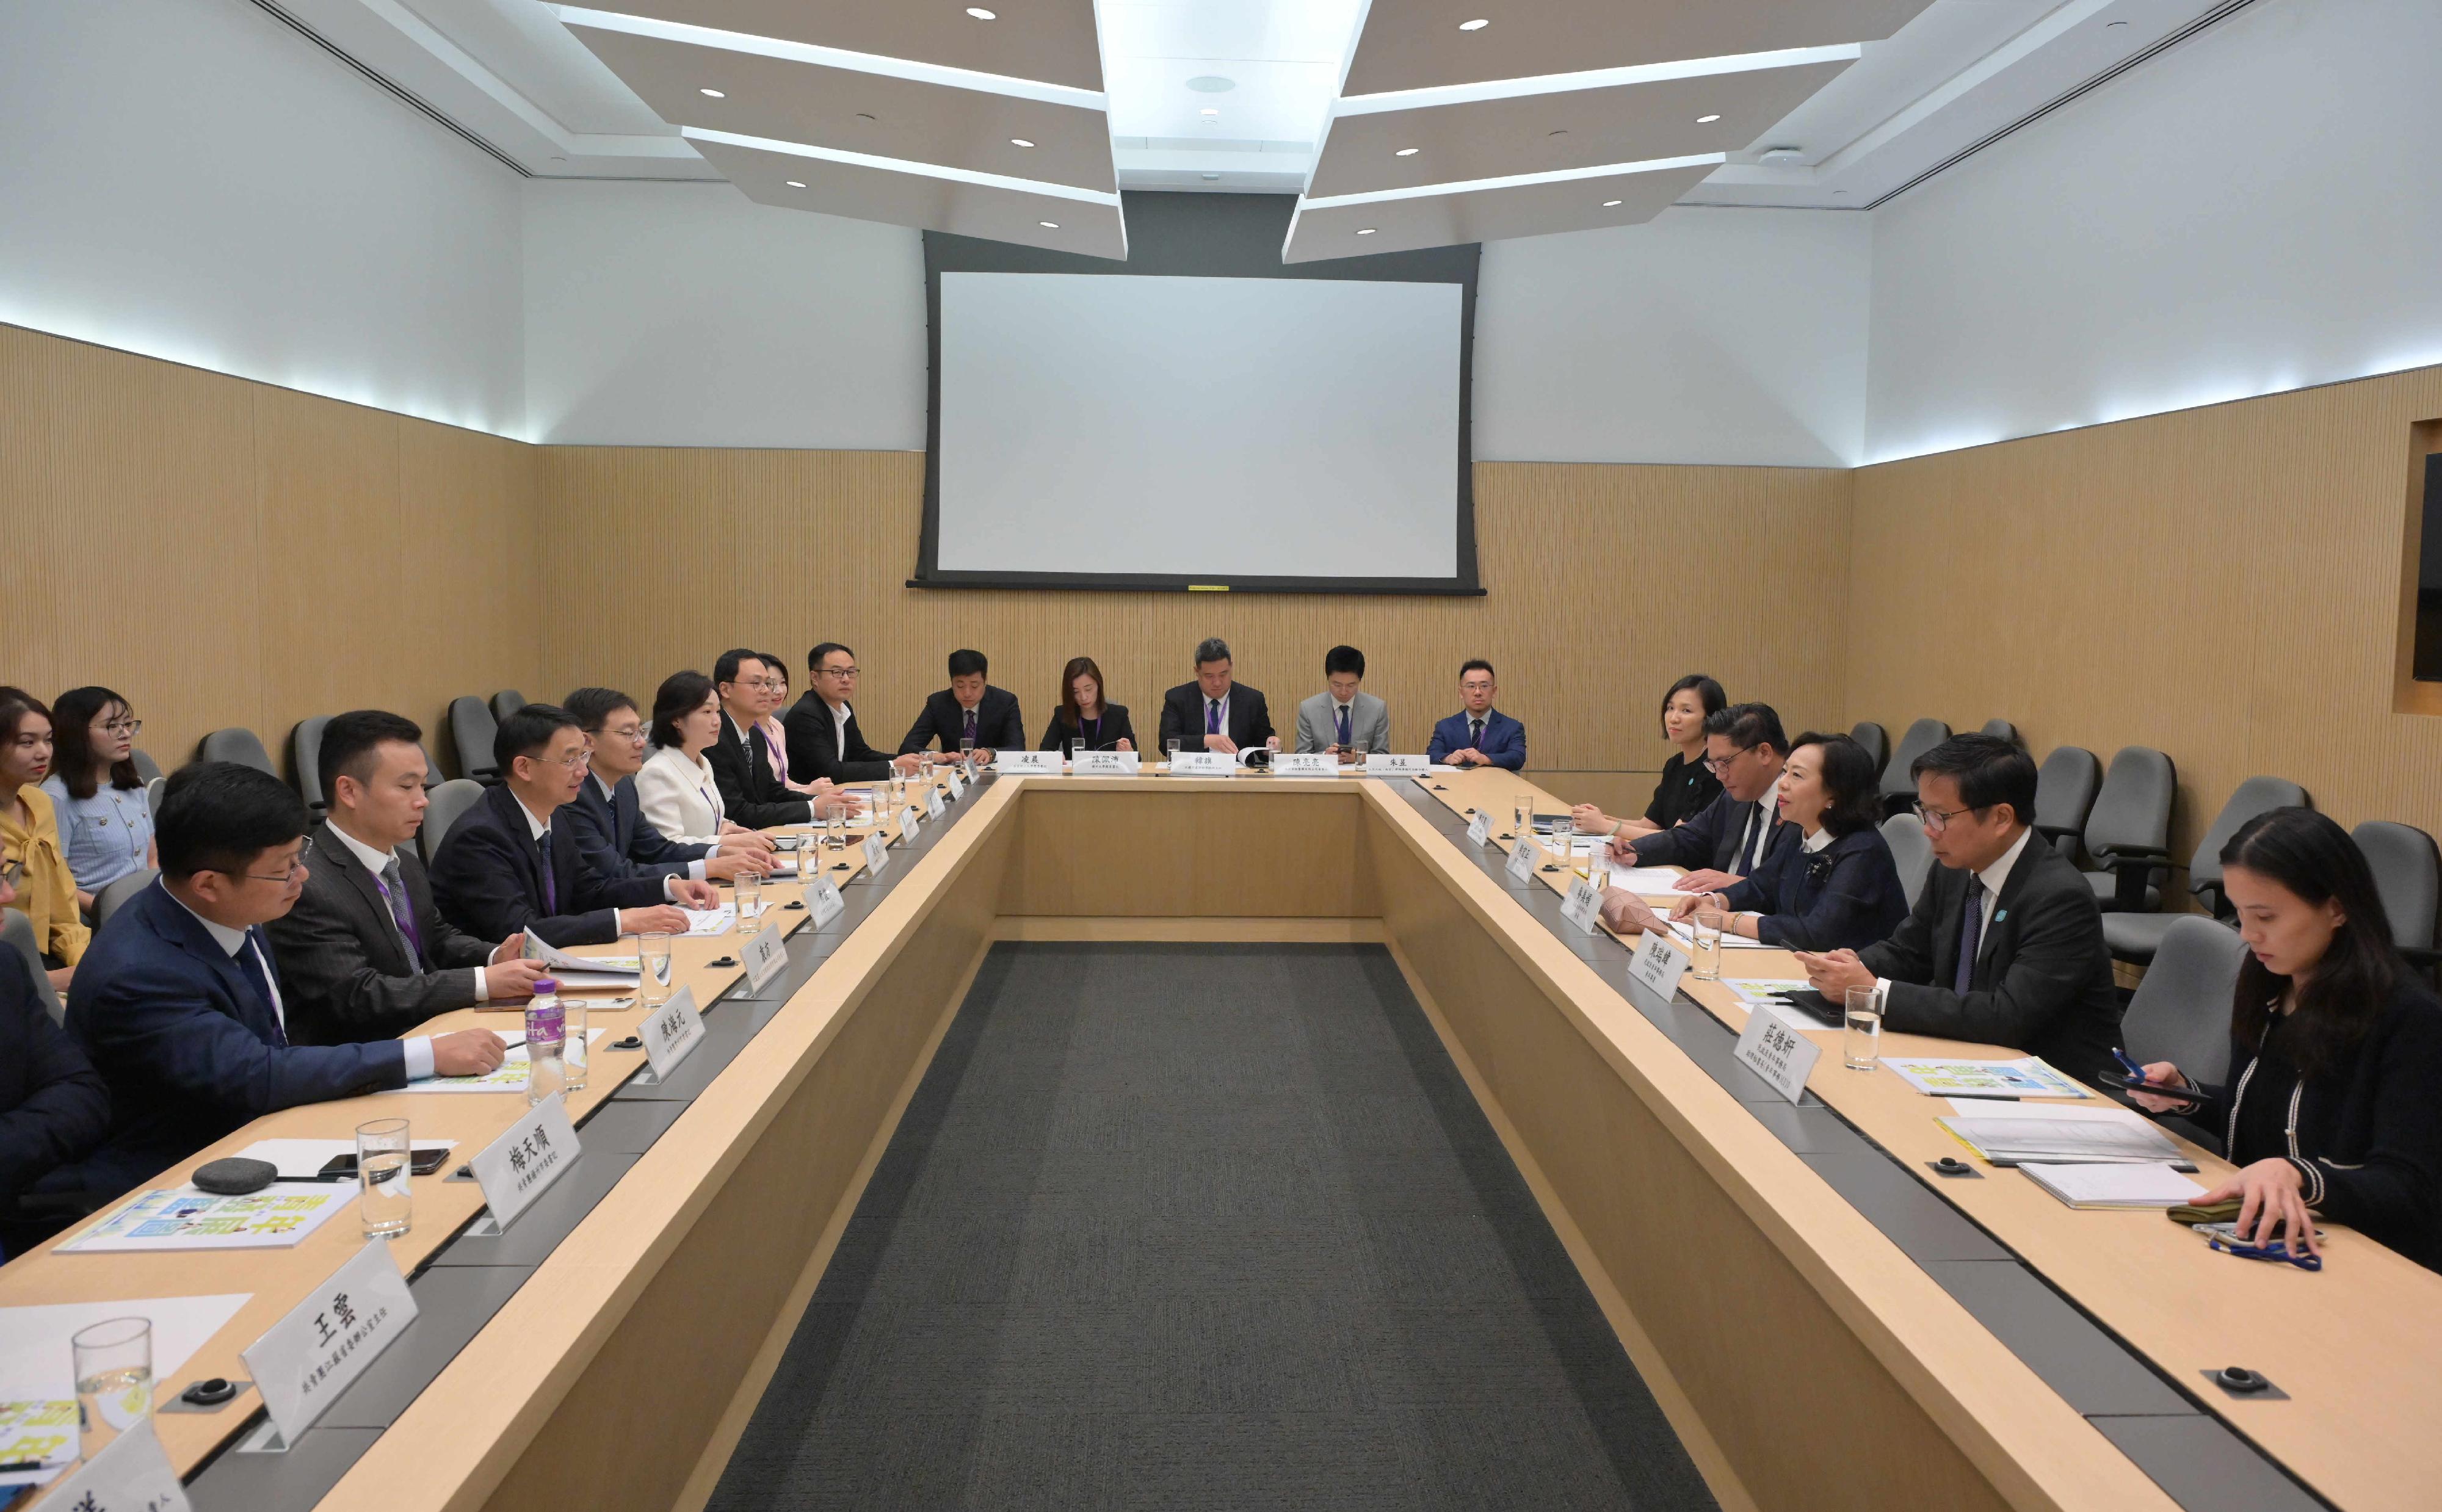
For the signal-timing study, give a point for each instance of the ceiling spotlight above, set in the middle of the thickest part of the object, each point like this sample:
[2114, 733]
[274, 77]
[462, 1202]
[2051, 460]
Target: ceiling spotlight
[1706, 121]
[796, 183]
[1782, 154]
[1477, 25]
[1366, 232]
[1049, 226]
[981, 14]
[712, 94]
[1211, 85]
[1019, 141]
[1610, 203]
[1405, 151]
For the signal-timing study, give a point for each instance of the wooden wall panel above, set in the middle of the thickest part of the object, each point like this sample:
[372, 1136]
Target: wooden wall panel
[2219, 583]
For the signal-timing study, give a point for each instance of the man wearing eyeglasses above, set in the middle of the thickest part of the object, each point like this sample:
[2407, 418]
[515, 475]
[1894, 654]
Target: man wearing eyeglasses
[744, 762]
[608, 820]
[1728, 839]
[822, 737]
[179, 1002]
[2005, 944]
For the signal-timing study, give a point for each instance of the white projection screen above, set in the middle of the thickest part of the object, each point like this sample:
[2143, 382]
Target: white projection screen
[1199, 428]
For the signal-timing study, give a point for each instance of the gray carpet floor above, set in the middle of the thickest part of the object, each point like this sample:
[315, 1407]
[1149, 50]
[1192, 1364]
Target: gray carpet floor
[1201, 1226]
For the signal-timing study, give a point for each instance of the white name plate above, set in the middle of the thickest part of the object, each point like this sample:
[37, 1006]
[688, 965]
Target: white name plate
[823, 900]
[1522, 856]
[911, 824]
[1203, 764]
[1108, 763]
[1020, 763]
[302, 1363]
[1397, 766]
[935, 804]
[1655, 964]
[764, 954]
[131, 1474]
[1479, 829]
[1310, 764]
[877, 854]
[957, 784]
[536, 1151]
[1583, 906]
[1778, 1051]
[669, 1032]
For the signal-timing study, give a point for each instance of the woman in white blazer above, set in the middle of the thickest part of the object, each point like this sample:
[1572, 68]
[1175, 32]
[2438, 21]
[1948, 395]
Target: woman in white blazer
[675, 789]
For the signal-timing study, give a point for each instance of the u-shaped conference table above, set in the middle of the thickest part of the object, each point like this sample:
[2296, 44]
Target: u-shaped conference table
[1825, 1322]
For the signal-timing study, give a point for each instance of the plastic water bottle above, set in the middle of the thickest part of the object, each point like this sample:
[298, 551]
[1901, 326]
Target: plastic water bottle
[546, 1035]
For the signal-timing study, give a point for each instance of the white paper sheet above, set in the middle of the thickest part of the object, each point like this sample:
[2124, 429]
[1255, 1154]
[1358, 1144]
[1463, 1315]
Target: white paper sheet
[2115, 1186]
[509, 1076]
[1653, 882]
[711, 921]
[1981, 1107]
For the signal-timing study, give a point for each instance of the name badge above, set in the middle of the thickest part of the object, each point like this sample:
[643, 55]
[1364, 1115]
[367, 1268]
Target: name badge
[302, 1363]
[764, 954]
[131, 1474]
[824, 901]
[1583, 906]
[1204, 764]
[957, 784]
[1479, 829]
[1521, 861]
[1396, 766]
[911, 824]
[1775, 1050]
[1655, 964]
[1018, 763]
[1310, 764]
[935, 804]
[877, 854]
[669, 1032]
[521, 1164]
[1108, 763]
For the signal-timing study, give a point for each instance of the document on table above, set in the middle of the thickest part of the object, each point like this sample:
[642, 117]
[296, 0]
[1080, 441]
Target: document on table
[304, 1159]
[711, 921]
[276, 1217]
[2027, 1076]
[509, 1076]
[38, 1375]
[2000, 1137]
[582, 971]
[2137, 1187]
[1657, 882]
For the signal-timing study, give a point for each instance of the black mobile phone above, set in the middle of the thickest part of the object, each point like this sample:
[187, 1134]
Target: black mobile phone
[2137, 1083]
[343, 1167]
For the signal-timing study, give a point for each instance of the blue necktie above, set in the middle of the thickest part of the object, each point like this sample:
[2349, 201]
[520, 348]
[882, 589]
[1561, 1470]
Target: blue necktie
[1211, 715]
[971, 726]
[1476, 739]
[249, 961]
[550, 883]
[1343, 726]
[1971, 935]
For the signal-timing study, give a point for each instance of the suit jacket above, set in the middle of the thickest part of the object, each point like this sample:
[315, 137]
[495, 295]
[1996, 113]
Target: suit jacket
[615, 838]
[814, 748]
[488, 879]
[53, 1106]
[1114, 728]
[997, 724]
[1182, 715]
[1710, 840]
[1369, 724]
[750, 790]
[188, 1047]
[1844, 897]
[344, 970]
[1505, 738]
[2043, 976]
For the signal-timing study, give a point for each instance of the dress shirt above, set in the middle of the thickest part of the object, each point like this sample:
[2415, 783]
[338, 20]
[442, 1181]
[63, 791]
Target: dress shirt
[1205, 711]
[418, 1052]
[1990, 878]
[539, 828]
[694, 868]
[379, 863]
[839, 727]
[1760, 825]
[106, 836]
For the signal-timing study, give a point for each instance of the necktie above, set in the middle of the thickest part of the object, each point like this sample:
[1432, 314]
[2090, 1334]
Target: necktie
[1211, 715]
[1476, 739]
[971, 726]
[249, 961]
[1343, 726]
[1971, 935]
[402, 913]
[550, 883]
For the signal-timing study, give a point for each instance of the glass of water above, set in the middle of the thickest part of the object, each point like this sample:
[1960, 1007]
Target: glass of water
[1170, 745]
[654, 981]
[1076, 750]
[384, 1157]
[114, 1379]
[966, 755]
[749, 887]
[1521, 812]
[1704, 961]
[573, 1045]
[1860, 1034]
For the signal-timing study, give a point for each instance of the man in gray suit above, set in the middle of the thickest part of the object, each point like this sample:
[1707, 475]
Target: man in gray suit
[364, 954]
[1344, 722]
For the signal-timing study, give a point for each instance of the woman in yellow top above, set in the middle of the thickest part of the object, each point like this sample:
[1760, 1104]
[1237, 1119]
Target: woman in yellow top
[31, 829]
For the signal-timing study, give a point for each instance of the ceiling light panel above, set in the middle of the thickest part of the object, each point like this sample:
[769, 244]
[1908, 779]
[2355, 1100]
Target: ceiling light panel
[896, 196]
[1417, 44]
[1493, 138]
[1053, 41]
[1539, 205]
[824, 106]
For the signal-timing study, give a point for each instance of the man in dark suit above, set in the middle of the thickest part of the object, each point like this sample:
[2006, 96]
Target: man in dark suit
[609, 822]
[508, 865]
[1478, 735]
[744, 762]
[178, 1002]
[969, 710]
[1215, 712]
[824, 741]
[1731, 837]
[2005, 944]
[364, 954]
[54, 1108]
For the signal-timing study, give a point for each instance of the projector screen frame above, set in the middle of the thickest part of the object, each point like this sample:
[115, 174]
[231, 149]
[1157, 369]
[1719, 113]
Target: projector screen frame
[1191, 236]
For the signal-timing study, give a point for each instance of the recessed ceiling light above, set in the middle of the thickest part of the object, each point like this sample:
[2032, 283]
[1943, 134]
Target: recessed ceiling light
[1019, 141]
[1405, 151]
[1366, 232]
[981, 14]
[1211, 85]
[1477, 25]
[712, 94]
[1608, 203]
[1706, 121]
[1782, 154]
[796, 183]
[1049, 226]
[1207, 111]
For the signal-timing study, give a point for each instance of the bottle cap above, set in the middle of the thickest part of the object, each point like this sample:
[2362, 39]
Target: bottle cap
[545, 984]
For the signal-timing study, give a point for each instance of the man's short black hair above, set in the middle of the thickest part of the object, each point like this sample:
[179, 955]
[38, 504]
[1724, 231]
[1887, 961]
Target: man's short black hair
[351, 739]
[1476, 664]
[220, 815]
[968, 664]
[815, 657]
[1988, 769]
[1748, 725]
[528, 731]
[1343, 659]
[1211, 649]
[595, 706]
[725, 671]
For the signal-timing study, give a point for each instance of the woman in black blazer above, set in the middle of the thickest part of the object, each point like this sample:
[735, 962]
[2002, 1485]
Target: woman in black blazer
[1839, 887]
[1687, 785]
[2336, 1051]
[1083, 715]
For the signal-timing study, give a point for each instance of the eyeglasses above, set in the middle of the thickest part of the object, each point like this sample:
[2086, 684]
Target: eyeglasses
[1721, 764]
[572, 761]
[837, 671]
[760, 683]
[125, 727]
[632, 734]
[304, 848]
[1936, 820]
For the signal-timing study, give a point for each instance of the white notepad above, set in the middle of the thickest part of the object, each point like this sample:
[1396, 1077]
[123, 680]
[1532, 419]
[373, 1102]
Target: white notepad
[2135, 1187]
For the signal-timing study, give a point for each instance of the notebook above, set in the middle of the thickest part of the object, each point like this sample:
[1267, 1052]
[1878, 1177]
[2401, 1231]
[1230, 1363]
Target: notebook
[2131, 1188]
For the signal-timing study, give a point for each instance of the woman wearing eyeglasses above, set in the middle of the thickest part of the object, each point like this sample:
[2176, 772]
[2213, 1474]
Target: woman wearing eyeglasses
[2336, 1051]
[31, 829]
[105, 825]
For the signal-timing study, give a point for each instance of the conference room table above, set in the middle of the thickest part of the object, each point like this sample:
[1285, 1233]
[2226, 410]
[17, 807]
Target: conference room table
[1826, 1321]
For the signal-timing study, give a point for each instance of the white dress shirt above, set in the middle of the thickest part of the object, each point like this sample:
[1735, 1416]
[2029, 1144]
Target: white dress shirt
[839, 728]
[538, 828]
[680, 796]
[417, 1051]
[378, 862]
[695, 869]
[1990, 879]
[1752, 841]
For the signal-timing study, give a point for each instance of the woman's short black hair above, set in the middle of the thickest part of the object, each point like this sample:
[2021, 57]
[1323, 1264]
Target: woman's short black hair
[679, 694]
[1707, 692]
[1850, 779]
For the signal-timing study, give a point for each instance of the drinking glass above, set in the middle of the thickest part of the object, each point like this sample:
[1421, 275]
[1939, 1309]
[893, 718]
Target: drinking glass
[1171, 746]
[966, 755]
[1523, 816]
[574, 1056]
[835, 838]
[749, 893]
[1076, 749]
[114, 1379]
[1704, 961]
[1861, 1036]
[654, 981]
[384, 1160]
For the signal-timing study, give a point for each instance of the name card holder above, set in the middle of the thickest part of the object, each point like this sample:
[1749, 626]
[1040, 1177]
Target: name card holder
[935, 804]
[131, 1474]
[1108, 763]
[670, 1031]
[764, 953]
[877, 855]
[1027, 763]
[1522, 856]
[1396, 766]
[1310, 764]
[1778, 1051]
[1656, 965]
[1204, 764]
[537, 1150]
[302, 1363]
[1583, 906]
[823, 900]
[1479, 829]
[957, 785]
